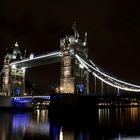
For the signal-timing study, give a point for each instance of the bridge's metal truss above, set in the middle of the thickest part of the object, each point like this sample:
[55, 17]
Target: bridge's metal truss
[34, 61]
[101, 75]
[90, 66]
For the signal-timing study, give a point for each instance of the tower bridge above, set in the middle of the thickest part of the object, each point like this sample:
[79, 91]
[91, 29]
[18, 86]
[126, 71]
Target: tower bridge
[75, 67]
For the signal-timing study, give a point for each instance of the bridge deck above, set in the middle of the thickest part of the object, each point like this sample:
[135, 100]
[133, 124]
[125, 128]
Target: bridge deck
[47, 58]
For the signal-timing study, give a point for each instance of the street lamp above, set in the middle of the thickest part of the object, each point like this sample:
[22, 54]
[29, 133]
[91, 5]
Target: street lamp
[61, 89]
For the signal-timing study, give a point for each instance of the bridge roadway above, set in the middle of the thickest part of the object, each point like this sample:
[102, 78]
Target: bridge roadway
[35, 61]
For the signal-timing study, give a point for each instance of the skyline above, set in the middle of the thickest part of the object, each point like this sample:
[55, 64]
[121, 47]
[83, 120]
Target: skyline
[112, 27]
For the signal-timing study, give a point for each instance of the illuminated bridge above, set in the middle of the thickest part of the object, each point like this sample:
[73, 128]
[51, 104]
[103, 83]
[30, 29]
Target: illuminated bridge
[30, 101]
[75, 66]
[84, 64]
[34, 61]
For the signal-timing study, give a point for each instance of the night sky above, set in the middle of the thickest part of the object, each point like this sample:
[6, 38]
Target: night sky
[113, 28]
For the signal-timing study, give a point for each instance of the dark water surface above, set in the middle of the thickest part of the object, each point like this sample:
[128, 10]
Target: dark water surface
[100, 124]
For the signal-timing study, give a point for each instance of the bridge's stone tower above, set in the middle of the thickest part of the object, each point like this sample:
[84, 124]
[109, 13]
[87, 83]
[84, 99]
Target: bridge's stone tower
[74, 77]
[13, 83]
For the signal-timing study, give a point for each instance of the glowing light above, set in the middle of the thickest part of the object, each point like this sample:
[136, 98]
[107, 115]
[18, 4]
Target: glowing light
[61, 88]
[20, 121]
[13, 66]
[31, 56]
[23, 68]
[61, 134]
[76, 40]
[117, 83]
[38, 115]
[45, 97]
[72, 51]
[81, 61]
[16, 44]
[66, 72]
[112, 78]
[18, 62]
[21, 100]
[59, 53]
[6, 81]
[81, 66]
[50, 54]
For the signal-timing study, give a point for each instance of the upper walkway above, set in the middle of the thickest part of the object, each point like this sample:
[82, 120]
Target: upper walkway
[43, 59]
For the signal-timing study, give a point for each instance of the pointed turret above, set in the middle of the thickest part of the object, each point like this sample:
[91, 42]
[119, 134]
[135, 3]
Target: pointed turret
[85, 40]
[76, 33]
[16, 52]
[24, 54]
[16, 44]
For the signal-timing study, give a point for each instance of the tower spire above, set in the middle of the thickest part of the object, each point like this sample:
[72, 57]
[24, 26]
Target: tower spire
[76, 33]
[16, 52]
[24, 53]
[16, 44]
[85, 40]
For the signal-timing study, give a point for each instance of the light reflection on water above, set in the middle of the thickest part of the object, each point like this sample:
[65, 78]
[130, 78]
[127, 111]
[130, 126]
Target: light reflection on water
[103, 115]
[107, 124]
[119, 118]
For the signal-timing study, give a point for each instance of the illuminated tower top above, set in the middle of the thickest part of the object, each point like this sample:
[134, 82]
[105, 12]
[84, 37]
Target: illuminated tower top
[76, 33]
[13, 76]
[16, 52]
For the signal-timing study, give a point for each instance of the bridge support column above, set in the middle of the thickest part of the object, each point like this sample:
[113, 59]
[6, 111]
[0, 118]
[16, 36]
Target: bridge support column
[13, 83]
[74, 77]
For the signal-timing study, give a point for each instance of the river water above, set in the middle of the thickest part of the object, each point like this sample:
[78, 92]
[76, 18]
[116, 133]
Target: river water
[100, 124]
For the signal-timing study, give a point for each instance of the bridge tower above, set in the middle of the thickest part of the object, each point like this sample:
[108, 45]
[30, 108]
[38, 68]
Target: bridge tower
[74, 77]
[13, 82]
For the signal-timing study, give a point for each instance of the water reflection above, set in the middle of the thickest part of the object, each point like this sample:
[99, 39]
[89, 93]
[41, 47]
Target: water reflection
[104, 116]
[66, 135]
[30, 125]
[41, 116]
[118, 117]
[20, 122]
[134, 113]
[61, 133]
[107, 124]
